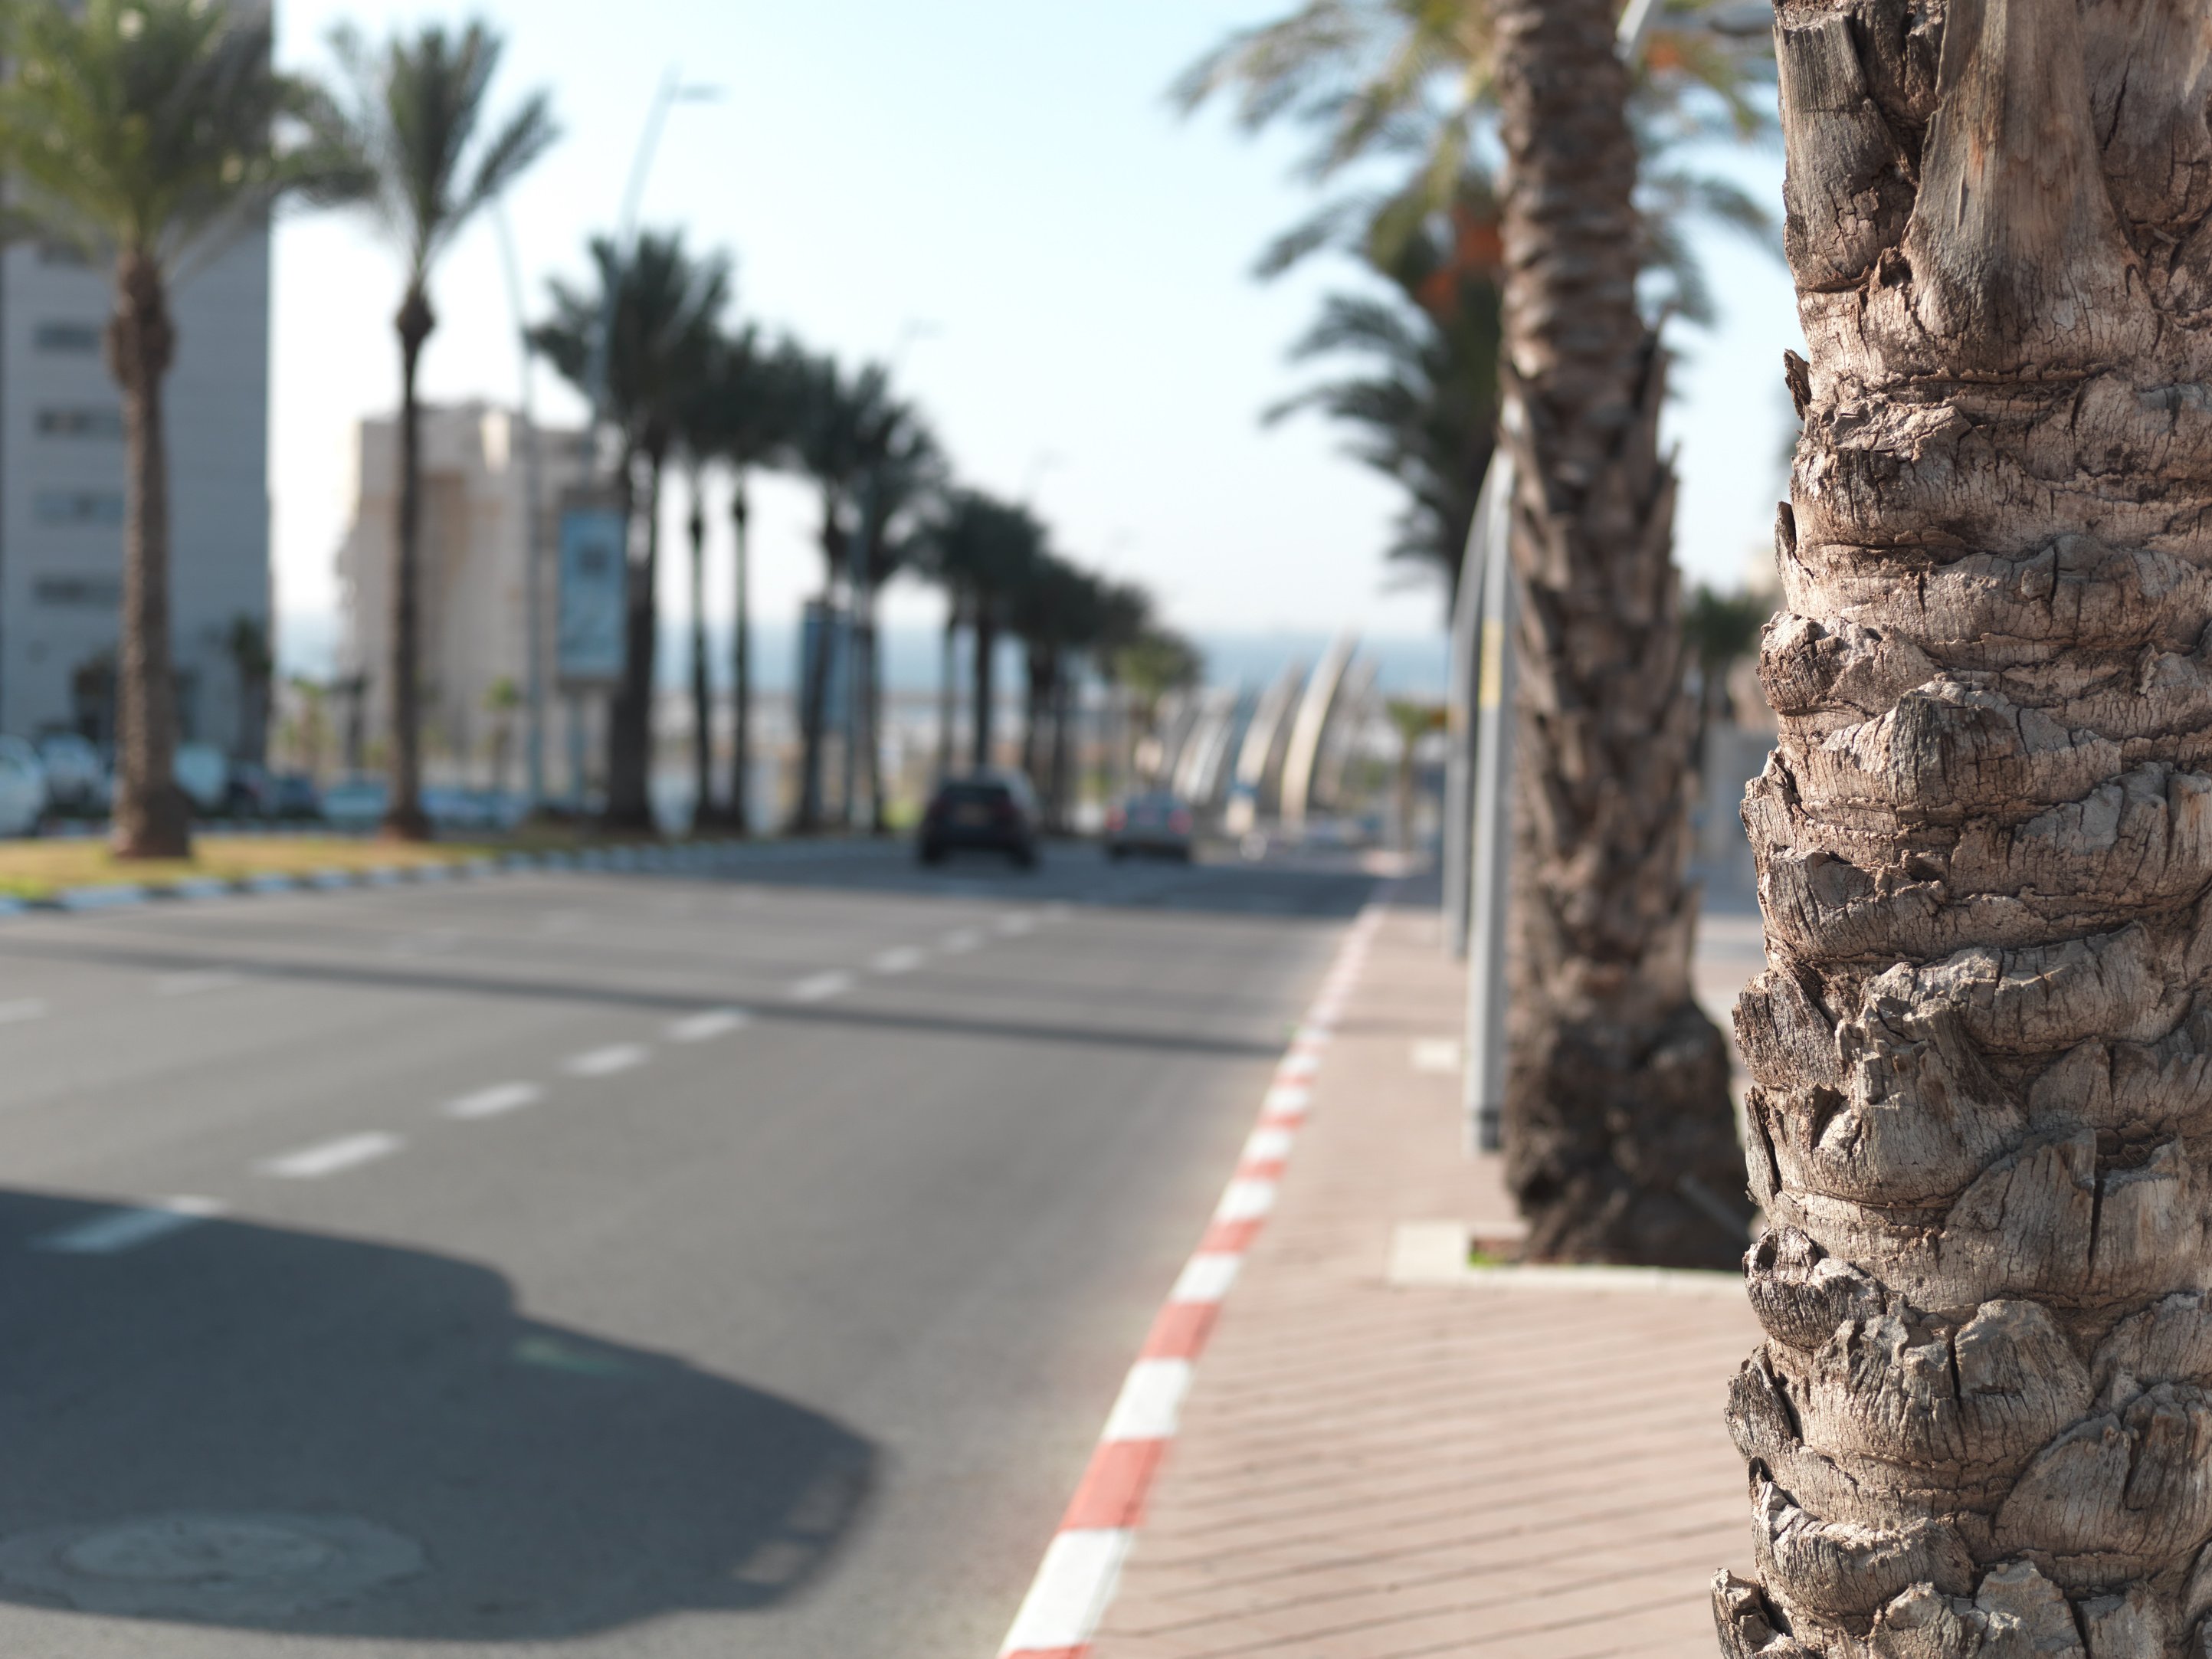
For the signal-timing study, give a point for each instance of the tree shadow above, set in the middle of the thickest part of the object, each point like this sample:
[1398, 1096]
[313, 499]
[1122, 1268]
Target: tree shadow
[517, 1481]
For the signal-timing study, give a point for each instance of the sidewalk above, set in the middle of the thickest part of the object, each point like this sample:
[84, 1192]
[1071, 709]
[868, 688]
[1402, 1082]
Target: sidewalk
[1365, 1471]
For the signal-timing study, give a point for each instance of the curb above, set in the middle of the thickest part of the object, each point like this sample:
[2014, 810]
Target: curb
[1082, 1567]
[685, 859]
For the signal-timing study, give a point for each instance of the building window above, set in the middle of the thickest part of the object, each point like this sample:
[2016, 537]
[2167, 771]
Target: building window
[105, 592]
[77, 506]
[79, 339]
[81, 423]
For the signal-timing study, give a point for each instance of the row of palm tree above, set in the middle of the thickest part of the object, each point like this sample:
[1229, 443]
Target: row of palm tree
[147, 133]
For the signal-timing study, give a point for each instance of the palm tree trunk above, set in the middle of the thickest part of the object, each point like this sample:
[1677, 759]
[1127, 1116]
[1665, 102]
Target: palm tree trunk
[1620, 1137]
[403, 817]
[948, 683]
[814, 693]
[152, 819]
[630, 721]
[872, 706]
[1982, 1422]
[1063, 693]
[1037, 687]
[987, 654]
[702, 706]
[741, 673]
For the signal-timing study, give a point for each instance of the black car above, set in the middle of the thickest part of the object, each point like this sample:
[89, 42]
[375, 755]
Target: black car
[991, 813]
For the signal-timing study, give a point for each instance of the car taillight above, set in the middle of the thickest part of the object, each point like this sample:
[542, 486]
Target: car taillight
[1116, 818]
[1180, 823]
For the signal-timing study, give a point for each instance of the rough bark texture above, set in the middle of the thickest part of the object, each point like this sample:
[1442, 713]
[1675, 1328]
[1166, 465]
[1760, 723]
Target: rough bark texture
[1621, 1138]
[151, 815]
[1982, 1423]
[404, 817]
[741, 671]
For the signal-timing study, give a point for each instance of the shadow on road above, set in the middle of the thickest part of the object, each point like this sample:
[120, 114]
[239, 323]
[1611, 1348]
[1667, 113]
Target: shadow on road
[368, 1440]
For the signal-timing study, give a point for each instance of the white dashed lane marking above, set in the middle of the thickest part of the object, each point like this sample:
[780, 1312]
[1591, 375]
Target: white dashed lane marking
[330, 1157]
[192, 984]
[958, 944]
[112, 1230]
[492, 1101]
[904, 960]
[606, 1062]
[703, 1027]
[23, 1008]
[819, 988]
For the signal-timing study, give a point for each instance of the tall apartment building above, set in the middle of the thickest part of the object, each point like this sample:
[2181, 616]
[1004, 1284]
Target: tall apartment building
[474, 591]
[61, 493]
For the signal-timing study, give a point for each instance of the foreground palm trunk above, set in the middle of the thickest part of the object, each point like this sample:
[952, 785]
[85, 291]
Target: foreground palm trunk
[152, 819]
[703, 813]
[629, 717]
[1621, 1138]
[403, 817]
[1981, 1422]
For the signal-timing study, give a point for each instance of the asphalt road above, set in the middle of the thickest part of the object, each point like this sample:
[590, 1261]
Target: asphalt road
[593, 1264]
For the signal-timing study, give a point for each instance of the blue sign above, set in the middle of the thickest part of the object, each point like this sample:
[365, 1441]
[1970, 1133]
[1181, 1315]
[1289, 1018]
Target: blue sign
[594, 589]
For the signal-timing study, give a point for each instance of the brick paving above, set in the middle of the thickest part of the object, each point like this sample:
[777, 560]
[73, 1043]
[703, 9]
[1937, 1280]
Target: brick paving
[1373, 1472]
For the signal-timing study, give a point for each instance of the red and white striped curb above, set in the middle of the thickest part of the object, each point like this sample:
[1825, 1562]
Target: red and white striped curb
[1076, 1582]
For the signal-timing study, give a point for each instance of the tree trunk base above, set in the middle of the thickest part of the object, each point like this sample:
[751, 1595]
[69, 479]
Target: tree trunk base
[1623, 1157]
[407, 824]
[161, 829]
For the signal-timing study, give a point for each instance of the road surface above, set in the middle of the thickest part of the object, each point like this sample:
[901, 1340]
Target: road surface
[593, 1264]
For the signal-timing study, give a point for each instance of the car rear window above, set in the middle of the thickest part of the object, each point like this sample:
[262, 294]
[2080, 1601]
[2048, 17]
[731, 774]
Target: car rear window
[975, 795]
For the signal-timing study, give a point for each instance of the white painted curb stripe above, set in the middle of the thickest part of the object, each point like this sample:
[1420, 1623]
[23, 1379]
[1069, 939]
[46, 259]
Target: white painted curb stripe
[1267, 1145]
[1245, 1201]
[1149, 1400]
[1072, 1590]
[1206, 1277]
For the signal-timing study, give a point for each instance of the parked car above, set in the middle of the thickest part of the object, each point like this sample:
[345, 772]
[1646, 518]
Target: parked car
[293, 795]
[1156, 824]
[203, 772]
[992, 812]
[22, 788]
[356, 804]
[76, 777]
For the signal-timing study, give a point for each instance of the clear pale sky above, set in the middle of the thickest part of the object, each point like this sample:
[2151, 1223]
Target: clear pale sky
[1008, 175]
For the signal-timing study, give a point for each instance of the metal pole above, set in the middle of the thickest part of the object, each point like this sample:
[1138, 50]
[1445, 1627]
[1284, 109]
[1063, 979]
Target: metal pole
[1491, 844]
[1459, 763]
[533, 551]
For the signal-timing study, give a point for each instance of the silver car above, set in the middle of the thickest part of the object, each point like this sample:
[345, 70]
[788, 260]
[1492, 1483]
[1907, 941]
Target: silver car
[1156, 825]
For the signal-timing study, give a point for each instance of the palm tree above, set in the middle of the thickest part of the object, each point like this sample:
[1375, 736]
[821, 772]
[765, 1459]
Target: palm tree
[1125, 614]
[978, 550]
[906, 471]
[415, 120]
[1051, 611]
[1977, 1052]
[666, 313]
[1621, 1138]
[147, 133]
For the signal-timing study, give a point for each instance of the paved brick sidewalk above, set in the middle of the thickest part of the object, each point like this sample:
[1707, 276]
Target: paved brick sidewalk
[1368, 1472]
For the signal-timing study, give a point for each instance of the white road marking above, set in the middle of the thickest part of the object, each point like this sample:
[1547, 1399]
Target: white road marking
[1015, 926]
[186, 985]
[700, 1028]
[114, 1230]
[1436, 1054]
[606, 1062]
[498, 1099]
[957, 944]
[819, 988]
[23, 1008]
[903, 960]
[1267, 1145]
[1149, 1400]
[330, 1157]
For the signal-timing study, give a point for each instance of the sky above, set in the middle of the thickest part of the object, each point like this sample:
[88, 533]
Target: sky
[996, 195]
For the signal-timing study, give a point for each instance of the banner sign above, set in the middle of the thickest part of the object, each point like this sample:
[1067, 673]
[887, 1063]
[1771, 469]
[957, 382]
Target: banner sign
[594, 578]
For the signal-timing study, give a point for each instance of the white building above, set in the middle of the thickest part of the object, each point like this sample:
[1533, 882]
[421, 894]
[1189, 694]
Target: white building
[474, 578]
[62, 485]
